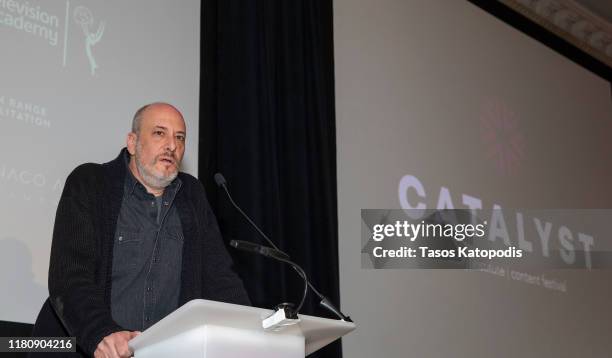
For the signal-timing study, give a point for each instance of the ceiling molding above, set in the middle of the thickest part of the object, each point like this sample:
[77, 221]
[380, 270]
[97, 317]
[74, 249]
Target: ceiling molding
[570, 21]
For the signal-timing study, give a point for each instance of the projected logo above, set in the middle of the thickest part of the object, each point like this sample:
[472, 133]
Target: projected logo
[84, 18]
[501, 135]
[33, 186]
[32, 20]
[44, 22]
[26, 112]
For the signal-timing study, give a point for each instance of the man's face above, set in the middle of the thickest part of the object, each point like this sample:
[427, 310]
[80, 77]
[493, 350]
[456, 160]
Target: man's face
[159, 147]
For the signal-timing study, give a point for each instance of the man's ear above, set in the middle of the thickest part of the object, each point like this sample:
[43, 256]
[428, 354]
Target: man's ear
[131, 142]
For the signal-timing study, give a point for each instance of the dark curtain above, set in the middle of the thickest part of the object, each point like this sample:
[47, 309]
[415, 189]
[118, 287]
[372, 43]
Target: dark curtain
[267, 123]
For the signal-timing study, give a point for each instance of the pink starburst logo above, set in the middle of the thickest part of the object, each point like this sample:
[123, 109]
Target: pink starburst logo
[501, 135]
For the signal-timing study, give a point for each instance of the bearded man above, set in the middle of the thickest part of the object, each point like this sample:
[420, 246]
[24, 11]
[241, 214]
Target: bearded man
[133, 240]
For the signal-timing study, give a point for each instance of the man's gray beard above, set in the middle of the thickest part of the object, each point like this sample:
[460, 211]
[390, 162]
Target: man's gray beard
[152, 180]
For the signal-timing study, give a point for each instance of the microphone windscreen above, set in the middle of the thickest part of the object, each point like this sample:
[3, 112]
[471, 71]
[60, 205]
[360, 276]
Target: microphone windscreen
[219, 179]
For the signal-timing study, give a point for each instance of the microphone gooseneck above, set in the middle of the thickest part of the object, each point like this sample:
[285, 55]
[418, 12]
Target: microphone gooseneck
[276, 255]
[325, 302]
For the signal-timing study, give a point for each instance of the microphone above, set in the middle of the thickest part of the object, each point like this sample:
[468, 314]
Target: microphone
[219, 179]
[259, 249]
[325, 302]
[277, 255]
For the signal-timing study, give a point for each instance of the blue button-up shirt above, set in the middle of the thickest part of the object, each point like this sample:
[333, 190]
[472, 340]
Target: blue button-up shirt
[147, 256]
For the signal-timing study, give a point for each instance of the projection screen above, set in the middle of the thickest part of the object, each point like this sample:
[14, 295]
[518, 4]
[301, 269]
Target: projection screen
[73, 73]
[439, 103]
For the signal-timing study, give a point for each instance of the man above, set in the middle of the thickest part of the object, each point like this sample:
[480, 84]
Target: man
[133, 240]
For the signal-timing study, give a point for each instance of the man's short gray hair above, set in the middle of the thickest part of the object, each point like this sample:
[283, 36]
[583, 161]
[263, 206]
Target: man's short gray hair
[139, 113]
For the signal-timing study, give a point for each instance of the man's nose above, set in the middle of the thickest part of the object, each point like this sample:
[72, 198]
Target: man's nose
[171, 143]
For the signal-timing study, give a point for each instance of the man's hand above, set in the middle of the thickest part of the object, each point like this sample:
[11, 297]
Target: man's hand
[115, 345]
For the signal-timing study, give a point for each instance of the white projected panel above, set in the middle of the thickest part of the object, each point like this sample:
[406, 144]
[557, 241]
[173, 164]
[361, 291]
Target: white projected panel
[474, 114]
[73, 72]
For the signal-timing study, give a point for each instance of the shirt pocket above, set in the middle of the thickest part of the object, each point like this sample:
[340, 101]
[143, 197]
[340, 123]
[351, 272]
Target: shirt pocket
[127, 251]
[172, 248]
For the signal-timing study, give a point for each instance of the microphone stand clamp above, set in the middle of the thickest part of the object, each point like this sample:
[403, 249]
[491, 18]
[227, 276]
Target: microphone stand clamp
[284, 315]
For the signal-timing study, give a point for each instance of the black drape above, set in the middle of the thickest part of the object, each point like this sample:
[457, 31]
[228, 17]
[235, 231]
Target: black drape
[267, 123]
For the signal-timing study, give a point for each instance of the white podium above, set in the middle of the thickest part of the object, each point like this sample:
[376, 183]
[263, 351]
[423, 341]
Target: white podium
[210, 329]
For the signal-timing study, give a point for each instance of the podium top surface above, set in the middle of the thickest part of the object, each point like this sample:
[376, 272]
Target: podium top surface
[317, 332]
